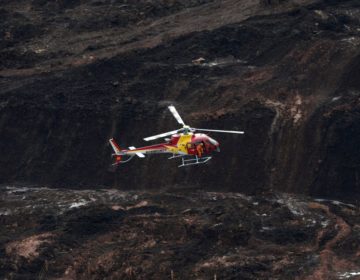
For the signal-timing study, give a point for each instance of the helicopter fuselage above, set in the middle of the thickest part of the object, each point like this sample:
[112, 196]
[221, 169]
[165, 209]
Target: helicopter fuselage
[197, 144]
[188, 144]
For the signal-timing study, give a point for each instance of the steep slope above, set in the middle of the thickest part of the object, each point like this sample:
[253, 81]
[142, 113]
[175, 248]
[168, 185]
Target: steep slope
[77, 73]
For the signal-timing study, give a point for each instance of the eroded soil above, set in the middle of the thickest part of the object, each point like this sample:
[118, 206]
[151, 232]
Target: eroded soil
[182, 234]
[75, 73]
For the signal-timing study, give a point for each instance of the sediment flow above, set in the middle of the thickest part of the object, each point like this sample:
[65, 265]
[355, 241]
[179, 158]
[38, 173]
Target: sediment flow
[188, 234]
[75, 73]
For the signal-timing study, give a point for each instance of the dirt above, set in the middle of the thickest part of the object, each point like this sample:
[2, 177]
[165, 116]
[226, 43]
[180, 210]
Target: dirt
[111, 234]
[75, 73]
[279, 202]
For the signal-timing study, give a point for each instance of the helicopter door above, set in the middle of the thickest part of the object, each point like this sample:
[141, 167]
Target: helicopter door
[200, 148]
[207, 146]
[191, 148]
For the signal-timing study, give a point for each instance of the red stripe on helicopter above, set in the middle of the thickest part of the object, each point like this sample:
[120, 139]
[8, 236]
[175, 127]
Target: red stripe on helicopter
[115, 144]
[152, 147]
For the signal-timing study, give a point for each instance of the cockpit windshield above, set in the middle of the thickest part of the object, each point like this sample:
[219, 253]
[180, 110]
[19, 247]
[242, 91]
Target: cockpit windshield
[214, 142]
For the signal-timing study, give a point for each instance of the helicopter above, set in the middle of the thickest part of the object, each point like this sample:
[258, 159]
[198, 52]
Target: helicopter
[193, 148]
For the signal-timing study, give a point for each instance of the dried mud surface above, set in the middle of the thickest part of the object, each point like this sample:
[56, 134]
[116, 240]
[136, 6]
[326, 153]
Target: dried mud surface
[75, 73]
[182, 234]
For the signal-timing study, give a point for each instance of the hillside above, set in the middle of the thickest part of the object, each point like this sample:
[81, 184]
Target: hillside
[75, 73]
[110, 234]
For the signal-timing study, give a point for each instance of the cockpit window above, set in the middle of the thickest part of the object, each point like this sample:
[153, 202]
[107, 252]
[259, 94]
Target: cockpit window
[212, 141]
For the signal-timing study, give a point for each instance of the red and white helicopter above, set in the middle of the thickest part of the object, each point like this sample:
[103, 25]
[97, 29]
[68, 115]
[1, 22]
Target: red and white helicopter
[192, 148]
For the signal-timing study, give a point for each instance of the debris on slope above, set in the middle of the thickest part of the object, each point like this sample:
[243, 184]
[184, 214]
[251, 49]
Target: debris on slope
[144, 235]
[75, 74]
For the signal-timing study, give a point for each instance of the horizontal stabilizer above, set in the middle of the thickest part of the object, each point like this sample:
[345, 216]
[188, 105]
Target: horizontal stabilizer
[140, 155]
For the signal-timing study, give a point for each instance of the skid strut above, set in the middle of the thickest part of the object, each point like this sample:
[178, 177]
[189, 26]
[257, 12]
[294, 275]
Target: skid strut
[175, 156]
[193, 161]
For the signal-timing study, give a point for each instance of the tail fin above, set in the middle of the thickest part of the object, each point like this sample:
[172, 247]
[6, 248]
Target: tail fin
[117, 151]
[115, 146]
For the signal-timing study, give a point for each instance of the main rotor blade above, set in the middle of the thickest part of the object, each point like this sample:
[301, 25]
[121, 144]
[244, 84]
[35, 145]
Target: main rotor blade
[162, 135]
[176, 114]
[222, 131]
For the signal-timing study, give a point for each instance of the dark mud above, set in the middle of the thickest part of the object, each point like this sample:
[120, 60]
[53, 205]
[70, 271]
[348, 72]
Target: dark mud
[109, 234]
[75, 73]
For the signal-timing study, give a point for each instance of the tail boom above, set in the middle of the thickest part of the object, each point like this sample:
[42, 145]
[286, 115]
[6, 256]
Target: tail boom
[140, 152]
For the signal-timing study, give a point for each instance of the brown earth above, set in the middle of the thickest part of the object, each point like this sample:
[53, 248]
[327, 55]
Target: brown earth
[110, 234]
[75, 73]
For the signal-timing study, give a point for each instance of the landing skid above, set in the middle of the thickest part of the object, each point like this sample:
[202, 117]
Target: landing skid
[193, 161]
